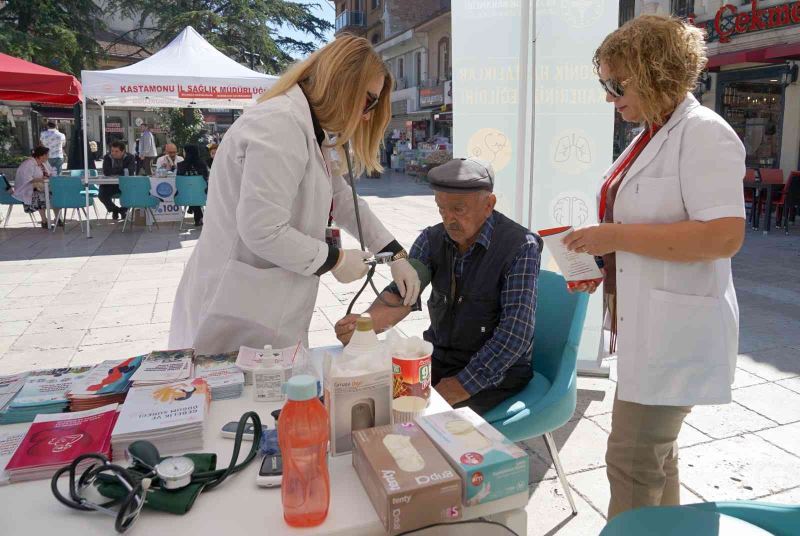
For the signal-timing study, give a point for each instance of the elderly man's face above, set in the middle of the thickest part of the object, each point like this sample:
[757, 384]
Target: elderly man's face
[463, 215]
[171, 150]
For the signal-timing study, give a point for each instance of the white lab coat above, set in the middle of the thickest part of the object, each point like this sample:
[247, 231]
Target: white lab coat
[250, 280]
[679, 321]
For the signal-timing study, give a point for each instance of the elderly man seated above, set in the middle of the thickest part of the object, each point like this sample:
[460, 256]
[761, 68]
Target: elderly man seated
[483, 269]
[170, 160]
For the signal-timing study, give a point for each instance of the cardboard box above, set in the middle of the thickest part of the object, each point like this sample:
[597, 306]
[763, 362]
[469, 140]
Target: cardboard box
[356, 402]
[409, 482]
[490, 465]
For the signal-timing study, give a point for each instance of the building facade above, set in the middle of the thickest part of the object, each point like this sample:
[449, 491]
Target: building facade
[752, 74]
[414, 39]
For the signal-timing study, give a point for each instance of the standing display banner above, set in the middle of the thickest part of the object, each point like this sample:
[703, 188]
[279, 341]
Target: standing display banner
[164, 189]
[528, 98]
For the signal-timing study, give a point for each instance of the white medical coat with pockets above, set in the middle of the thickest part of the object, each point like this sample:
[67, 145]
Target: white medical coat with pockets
[250, 280]
[678, 322]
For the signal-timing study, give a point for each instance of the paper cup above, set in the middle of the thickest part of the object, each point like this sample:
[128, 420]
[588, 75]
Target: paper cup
[411, 375]
[405, 408]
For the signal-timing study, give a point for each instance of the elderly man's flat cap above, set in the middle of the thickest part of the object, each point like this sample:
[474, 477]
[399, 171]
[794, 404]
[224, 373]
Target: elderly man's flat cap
[462, 175]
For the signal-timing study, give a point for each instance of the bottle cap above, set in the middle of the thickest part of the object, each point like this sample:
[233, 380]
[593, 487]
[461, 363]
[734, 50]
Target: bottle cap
[302, 387]
[364, 323]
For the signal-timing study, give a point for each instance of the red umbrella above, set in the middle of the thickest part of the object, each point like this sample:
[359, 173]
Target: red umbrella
[24, 81]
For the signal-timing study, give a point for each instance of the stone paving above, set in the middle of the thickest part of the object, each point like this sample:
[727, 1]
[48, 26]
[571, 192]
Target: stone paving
[68, 300]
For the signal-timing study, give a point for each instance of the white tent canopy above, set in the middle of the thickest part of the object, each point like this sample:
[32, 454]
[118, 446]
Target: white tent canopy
[188, 72]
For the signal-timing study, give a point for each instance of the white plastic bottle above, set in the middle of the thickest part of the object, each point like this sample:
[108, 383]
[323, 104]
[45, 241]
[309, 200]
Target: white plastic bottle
[364, 339]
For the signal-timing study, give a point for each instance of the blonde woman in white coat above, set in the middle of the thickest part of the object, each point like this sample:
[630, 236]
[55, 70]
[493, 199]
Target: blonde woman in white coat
[254, 273]
[672, 216]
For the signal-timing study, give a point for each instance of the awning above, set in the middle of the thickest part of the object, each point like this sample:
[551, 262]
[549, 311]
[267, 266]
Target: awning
[772, 54]
[24, 81]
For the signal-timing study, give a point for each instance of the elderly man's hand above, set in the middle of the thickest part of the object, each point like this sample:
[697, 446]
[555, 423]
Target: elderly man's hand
[451, 390]
[345, 328]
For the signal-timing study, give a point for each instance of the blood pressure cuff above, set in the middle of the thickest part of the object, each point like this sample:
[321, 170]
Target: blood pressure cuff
[177, 501]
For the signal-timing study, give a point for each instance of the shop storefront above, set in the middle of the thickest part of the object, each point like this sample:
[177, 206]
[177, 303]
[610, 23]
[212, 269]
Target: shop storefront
[754, 53]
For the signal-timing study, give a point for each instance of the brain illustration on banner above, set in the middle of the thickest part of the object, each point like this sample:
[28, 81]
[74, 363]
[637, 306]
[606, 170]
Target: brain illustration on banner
[491, 145]
[576, 13]
[571, 152]
[570, 209]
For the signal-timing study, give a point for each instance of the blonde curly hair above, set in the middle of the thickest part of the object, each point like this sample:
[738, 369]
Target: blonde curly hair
[659, 57]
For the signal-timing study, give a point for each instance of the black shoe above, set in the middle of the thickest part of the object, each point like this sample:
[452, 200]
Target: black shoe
[115, 215]
[44, 225]
[198, 223]
[124, 213]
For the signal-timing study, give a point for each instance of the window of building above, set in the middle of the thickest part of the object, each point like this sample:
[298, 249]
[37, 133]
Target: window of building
[401, 71]
[418, 67]
[682, 8]
[627, 10]
[443, 71]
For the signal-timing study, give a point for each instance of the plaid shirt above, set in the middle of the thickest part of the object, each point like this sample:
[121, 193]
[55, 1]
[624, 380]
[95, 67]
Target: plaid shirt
[513, 337]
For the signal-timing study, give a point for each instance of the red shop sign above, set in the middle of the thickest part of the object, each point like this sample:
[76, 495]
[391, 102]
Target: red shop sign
[755, 20]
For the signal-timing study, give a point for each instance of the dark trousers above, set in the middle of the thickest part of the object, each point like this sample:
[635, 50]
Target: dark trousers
[106, 191]
[515, 381]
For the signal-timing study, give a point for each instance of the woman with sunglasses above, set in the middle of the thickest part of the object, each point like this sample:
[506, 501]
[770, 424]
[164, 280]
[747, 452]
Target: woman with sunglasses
[672, 215]
[253, 276]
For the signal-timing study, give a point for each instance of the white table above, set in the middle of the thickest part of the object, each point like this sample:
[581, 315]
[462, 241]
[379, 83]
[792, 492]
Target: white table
[238, 506]
[98, 181]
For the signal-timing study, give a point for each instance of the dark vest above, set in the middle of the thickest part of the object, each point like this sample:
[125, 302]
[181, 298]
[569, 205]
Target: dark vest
[465, 315]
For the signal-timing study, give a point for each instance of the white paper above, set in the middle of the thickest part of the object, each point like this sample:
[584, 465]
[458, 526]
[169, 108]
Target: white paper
[163, 370]
[8, 444]
[574, 266]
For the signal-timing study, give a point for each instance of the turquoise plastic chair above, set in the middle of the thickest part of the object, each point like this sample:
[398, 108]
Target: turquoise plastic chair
[135, 194]
[705, 519]
[190, 192]
[94, 191]
[549, 400]
[7, 199]
[68, 192]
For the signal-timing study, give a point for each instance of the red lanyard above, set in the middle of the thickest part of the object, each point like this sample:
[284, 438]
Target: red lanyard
[623, 167]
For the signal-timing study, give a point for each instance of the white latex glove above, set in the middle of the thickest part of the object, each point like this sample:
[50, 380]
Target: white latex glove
[407, 281]
[351, 266]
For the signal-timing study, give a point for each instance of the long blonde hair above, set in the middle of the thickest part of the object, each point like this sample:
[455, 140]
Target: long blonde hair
[335, 79]
[660, 57]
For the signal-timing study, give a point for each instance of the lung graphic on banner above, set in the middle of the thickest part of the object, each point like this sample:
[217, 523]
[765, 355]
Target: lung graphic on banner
[527, 99]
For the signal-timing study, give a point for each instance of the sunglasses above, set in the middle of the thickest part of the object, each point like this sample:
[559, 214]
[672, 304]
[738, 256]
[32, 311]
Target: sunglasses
[612, 87]
[372, 102]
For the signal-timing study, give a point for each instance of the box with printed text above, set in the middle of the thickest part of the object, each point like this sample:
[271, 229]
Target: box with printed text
[490, 465]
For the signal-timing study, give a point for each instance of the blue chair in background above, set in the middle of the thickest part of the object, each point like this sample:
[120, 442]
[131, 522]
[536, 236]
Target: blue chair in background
[94, 191]
[7, 199]
[190, 192]
[549, 400]
[135, 194]
[65, 193]
[712, 519]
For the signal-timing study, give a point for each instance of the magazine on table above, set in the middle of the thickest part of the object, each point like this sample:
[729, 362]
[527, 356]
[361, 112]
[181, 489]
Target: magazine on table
[107, 378]
[47, 386]
[54, 440]
[165, 366]
[10, 386]
[162, 406]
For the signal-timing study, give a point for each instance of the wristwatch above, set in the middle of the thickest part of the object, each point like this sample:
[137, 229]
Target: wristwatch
[402, 254]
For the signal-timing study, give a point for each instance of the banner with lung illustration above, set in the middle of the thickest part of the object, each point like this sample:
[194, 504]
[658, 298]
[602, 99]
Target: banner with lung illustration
[527, 99]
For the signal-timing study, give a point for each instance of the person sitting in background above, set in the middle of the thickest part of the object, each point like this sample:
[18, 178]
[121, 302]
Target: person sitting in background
[212, 152]
[117, 162]
[170, 160]
[483, 269]
[29, 183]
[193, 165]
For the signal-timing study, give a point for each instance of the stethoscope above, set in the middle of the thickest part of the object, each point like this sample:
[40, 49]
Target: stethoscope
[148, 472]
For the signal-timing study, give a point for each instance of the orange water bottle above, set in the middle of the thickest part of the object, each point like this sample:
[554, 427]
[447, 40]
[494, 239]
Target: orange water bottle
[303, 437]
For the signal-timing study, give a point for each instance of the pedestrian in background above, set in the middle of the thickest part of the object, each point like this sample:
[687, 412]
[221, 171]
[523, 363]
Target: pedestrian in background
[147, 151]
[672, 215]
[55, 142]
[192, 164]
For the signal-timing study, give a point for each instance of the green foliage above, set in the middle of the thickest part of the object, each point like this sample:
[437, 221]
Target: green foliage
[245, 30]
[182, 125]
[59, 34]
